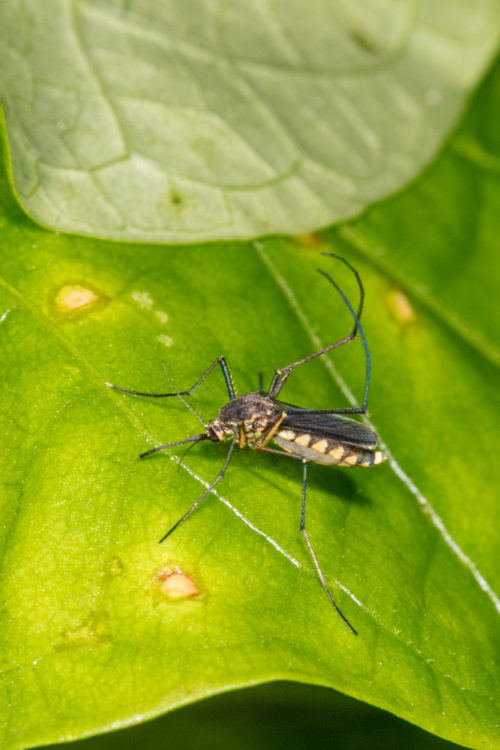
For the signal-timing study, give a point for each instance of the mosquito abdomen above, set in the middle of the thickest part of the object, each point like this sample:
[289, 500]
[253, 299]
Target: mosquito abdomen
[320, 450]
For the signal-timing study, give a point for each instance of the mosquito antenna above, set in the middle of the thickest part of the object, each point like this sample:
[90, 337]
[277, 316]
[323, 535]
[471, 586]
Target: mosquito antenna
[181, 397]
[184, 453]
[192, 439]
[312, 553]
[356, 316]
[207, 491]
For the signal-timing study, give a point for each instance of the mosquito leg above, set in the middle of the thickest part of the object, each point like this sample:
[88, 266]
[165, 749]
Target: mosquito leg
[274, 429]
[278, 453]
[304, 532]
[219, 361]
[311, 551]
[207, 491]
[282, 375]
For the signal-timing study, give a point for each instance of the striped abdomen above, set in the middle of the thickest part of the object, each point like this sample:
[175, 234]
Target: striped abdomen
[322, 450]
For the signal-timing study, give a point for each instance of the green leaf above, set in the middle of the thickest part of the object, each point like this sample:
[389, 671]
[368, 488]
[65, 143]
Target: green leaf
[91, 636]
[183, 122]
[271, 717]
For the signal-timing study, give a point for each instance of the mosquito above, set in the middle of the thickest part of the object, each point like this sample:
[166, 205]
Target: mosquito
[320, 436]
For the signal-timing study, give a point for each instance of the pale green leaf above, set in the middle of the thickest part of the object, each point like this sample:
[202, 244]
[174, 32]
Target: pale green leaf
[183, 122]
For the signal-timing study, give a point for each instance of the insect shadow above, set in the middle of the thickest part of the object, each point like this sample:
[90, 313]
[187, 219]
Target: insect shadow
[322, 436]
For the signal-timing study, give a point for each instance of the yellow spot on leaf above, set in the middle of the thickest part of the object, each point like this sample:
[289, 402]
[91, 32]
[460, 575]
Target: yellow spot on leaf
[73, 297]
[310, 240]
[143, 299]
[162, 316]
[176, 584]
[94, 628]
[400, 307]
[165, 340]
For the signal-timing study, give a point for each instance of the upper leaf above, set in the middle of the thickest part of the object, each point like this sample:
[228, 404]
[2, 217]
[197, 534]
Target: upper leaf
[182, 122]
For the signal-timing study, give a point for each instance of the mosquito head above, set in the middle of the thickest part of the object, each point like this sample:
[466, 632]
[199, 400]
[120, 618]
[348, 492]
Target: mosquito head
[215, 431]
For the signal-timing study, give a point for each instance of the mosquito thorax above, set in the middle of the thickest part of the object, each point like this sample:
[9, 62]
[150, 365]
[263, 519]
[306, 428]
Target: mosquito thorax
[245, 408]
[252, 413]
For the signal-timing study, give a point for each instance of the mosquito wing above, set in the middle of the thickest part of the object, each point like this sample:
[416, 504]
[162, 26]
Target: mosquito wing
[333, 426]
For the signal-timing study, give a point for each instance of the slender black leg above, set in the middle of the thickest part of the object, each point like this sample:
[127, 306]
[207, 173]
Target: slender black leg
[311, 551]
[282, 375]
[219, 361]
[207, 491]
